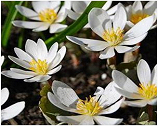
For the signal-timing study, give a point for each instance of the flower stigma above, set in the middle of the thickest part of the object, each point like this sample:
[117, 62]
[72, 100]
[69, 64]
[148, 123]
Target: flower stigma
[113, 37]
[135, 18]
[48, 15]
[88, 107]
[40, 67]
[148, 91]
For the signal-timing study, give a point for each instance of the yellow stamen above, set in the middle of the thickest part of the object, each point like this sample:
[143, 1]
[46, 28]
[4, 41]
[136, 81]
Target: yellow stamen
[88, 107]
[148, 91]
[39, 67]
[48, 15]
[114, 37]
[135, 18]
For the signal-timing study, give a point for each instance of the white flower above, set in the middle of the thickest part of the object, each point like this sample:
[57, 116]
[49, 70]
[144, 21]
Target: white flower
[2, 60]
[46, 14]
[136, 12]
[11, 111]
[145, 93]
[80, 6]
[113, 32]
[104, 102]
[38, 59]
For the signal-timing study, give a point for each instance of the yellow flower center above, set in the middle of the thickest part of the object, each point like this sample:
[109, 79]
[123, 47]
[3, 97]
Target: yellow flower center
[113, 37]
[148, 91]
[135, 18]
[48, 15]
[39, 67]
[88, 107]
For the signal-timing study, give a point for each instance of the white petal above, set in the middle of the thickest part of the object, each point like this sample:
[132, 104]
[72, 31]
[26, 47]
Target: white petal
[107, 5]
[102, 120]
[64, 93]
[22, 71]
[125, 49]
[99, 91]
[61, 17]
[52, 52]
[109, 96]
[154, 75]
[88, 120]
[15, 75]
[26, 12]
[112, 10]
[55, 62]
[129, 24]
[43, 27]
[96, 17]
[55, 70]
[107, 53]
[55, 28]
[12, 110]
[140, 28]
[143, 72]
[113, 108]
[76, 120]
[120, 18]
[124, 82]
[41, 49]
[22, 55]
[150, 7]
[31, 49]
[2, 60]
[55, 101]
[4, 95]
[137, 7]
[137, 103]
[62, 53]
[108, 25]
[27, 24]
[79, 6]
[72, 15]
[153, 101]
[134, 40]
[20, 62]
[39, 78]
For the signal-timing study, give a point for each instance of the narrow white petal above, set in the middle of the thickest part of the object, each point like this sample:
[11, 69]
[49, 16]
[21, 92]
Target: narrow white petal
[26, 12]
[88, 120]
[102, 120]
[137, 103]
[124, 82]
[43, 27]
[41, 49]
[55, 70]
[143, 72]
[150, 7]
[112, 10]
[99, 91]
[55, 62]
[137, 7]
[2, 60]
[56, 102]
[154, 75]
[125, 49]
[62, 53]
[4, 95]
[39, 78]
[108, 25]
[79, 6]
[61, 17]
[12, 74]
[107, 53]
[113, 108]
[52, 52]
[19, 62]
[64, 93]
[12, 111]
[55, 28]
[27, 24]
[22, 55]
[107, 5]
[140, 28]
[153, 101]
[22, 71]
[96, 17]
[129, 24]
[72, 15]
[73, 120]
[120, 18]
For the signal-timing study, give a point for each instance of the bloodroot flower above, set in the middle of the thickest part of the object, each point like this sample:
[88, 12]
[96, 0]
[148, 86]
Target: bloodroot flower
[41, 62]
[112, 33]
[136, 12]
[11, 111]
[145, 93]
[46, 14]
[103, 102]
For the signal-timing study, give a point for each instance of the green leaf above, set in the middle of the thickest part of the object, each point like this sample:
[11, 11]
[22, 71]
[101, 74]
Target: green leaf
[76, 26]
[8, 23]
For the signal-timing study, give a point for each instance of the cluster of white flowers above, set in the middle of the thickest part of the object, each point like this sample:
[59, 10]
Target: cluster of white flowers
[41, 63]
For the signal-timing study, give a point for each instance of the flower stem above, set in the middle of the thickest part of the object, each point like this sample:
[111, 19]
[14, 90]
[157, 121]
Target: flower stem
[150, 112]
[50, 82]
